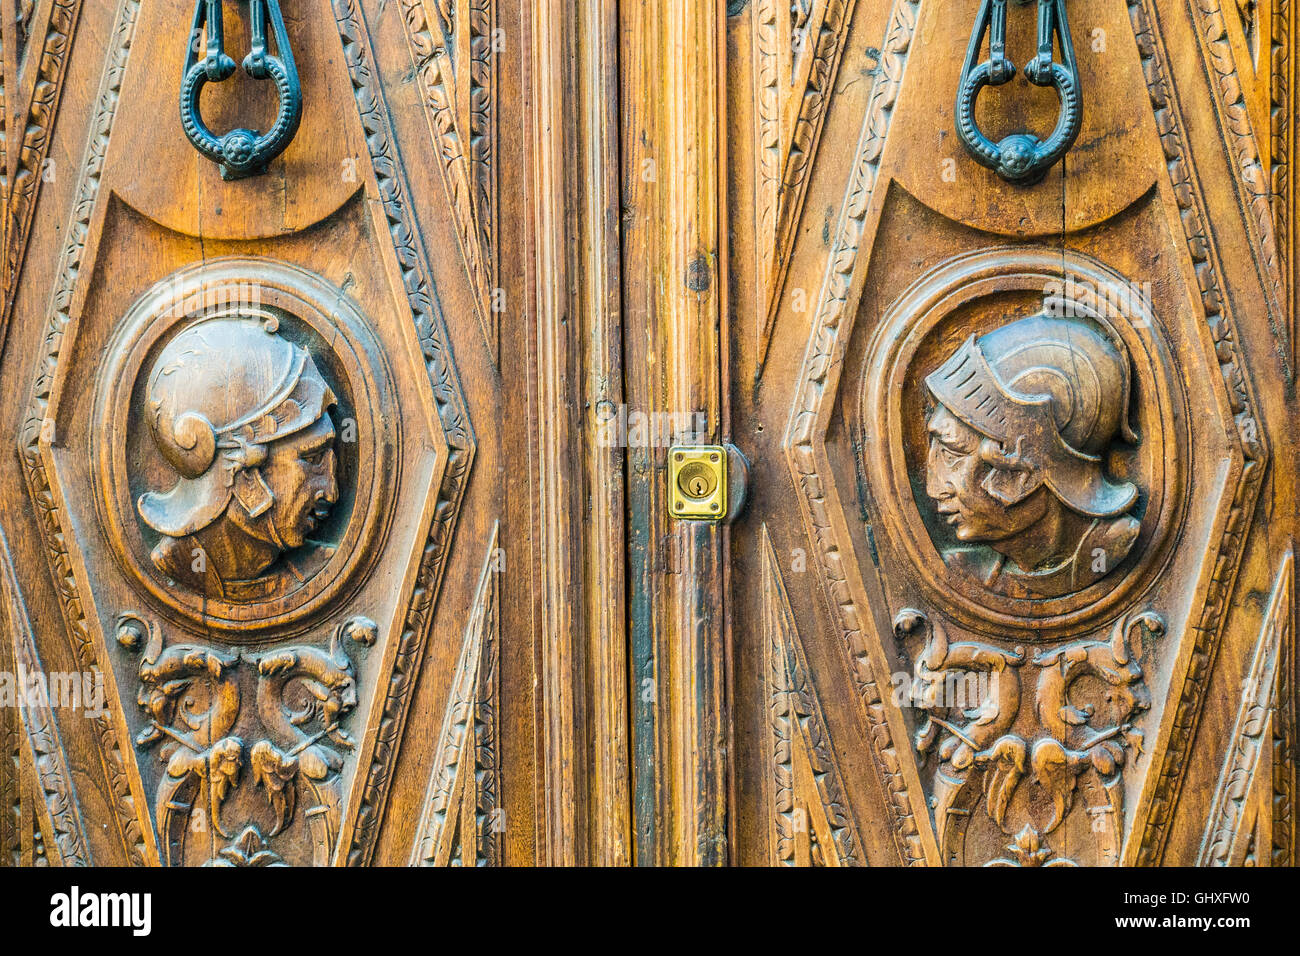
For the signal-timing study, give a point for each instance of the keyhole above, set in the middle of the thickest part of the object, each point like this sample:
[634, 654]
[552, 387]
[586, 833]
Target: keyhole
[699, 487]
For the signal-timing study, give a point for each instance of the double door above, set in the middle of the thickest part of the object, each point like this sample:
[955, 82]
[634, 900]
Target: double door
[831, 433]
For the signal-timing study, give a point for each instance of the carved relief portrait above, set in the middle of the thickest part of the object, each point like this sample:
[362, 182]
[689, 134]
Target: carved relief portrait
[1021, 422]
[242, 416]
[244, 459]
[1021, 439]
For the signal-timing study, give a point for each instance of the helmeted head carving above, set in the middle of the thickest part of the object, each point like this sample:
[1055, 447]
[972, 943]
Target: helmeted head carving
[240, 414]
[1025, 416]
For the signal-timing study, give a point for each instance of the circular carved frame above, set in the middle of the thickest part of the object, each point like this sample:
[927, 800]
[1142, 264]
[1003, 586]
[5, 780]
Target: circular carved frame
[351, 358]
[976, 293]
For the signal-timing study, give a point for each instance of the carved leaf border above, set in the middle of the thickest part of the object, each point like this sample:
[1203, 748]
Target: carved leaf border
[1253, 182]
[39, 107]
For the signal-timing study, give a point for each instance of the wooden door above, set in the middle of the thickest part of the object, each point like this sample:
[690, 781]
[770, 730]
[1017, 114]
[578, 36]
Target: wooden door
[289, 415]
[346, 392]
[1015, 581]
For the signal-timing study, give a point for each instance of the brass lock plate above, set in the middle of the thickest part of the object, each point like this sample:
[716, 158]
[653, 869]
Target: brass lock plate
[697, 482]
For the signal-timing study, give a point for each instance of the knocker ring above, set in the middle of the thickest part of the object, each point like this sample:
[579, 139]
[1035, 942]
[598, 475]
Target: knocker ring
[1020, 158]
[241, 152]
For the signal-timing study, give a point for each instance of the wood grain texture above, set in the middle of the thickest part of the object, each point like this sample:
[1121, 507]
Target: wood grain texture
[673, 165]
[425, 603]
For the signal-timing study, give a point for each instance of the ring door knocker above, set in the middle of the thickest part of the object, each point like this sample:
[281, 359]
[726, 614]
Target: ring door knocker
[1020, 158]
[241, 152]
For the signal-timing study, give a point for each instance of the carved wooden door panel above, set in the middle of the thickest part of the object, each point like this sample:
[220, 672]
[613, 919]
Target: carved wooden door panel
[1013, 361]
[273, 464]
[327, 535]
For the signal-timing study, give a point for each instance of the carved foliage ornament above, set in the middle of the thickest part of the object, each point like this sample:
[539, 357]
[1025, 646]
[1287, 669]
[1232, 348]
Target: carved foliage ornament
[193, 697]
[1074, 738]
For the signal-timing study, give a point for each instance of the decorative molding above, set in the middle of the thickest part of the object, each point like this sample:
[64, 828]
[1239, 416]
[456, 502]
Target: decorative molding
[12, 796]
[1237, 797]
[1283, 850]
[33, 846]
[464, 144]
[461, 823]
[431, 330]
[124, 801]
[779, 202]
[1254, 179]
[1186, 700]
[1282, 127]
[811, 819]
[767, 161]
[826, 344]
[37, 109]
[57, 801]
[575, 337]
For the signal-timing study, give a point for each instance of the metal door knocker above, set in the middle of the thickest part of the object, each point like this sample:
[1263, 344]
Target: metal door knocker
[241, 152]
[1020, 158]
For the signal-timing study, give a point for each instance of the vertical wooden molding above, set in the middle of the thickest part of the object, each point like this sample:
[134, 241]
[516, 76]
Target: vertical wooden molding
[11, 793]
[604, 549]
[38, 78]
[1241, 822]
[671, 68]
[1283, 118]
[55, 805]
[579, 531]
[811, 821]
[460, 824]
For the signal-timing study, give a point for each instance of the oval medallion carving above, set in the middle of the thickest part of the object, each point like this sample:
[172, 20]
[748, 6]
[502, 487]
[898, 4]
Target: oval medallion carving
[243, 461]
[1024, 436]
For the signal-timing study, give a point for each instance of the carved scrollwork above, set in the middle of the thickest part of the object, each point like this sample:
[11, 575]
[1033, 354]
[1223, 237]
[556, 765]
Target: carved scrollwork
[192, 696]
[1077, 735]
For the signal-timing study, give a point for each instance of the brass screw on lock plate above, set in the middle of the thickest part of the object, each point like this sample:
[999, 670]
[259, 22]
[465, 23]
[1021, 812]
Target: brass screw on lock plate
[697, 481]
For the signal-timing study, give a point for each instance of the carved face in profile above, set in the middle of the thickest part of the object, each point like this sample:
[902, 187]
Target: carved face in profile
[1018, 435]
[241, 415]
[955, 478]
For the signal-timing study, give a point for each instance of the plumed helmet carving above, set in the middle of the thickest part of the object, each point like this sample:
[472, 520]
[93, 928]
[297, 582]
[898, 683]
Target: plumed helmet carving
[219, 393]
[1052, 393]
